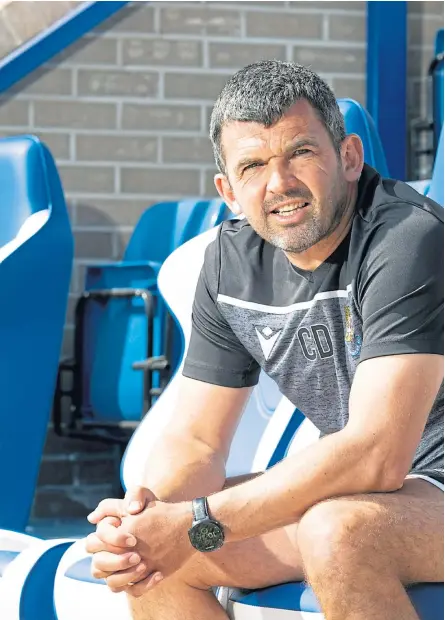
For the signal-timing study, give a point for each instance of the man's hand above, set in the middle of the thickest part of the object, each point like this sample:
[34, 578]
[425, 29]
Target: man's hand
[135, 501]
[134, 552]
[118, 555]
[163, 542]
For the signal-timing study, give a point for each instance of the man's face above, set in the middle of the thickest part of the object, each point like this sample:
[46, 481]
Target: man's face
[288, 179]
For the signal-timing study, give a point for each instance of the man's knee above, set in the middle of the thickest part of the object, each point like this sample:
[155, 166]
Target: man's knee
[336, 534]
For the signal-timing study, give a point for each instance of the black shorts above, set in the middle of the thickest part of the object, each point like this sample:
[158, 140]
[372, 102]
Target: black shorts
[434, 476]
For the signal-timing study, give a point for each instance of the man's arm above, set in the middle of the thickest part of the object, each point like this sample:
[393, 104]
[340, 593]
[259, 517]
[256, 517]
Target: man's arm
[189, 459]
[390, 400]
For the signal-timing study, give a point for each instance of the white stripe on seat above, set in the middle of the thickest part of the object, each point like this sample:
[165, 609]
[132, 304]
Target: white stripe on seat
[29, 228]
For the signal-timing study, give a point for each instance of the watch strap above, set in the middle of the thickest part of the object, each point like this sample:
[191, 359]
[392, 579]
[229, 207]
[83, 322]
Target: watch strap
[200, 510]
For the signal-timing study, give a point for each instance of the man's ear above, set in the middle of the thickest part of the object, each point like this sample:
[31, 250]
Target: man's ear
[352, 157]
[225, 190]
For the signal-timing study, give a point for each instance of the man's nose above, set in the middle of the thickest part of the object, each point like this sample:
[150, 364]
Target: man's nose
[281, 178]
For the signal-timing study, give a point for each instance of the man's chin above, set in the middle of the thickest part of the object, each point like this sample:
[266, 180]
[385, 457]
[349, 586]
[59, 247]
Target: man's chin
[289, 243]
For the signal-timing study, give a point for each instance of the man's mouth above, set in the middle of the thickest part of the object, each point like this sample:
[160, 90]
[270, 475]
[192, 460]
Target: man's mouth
[288, 210]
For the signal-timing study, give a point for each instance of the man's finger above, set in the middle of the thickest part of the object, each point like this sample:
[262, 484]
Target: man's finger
[105, 564]
[137, 498]
[93, 544]
[107, 508]
[125, 578]
[116, 536]
[143, 586]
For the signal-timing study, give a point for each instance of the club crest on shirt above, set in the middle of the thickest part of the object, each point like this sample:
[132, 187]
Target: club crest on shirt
[353, 340]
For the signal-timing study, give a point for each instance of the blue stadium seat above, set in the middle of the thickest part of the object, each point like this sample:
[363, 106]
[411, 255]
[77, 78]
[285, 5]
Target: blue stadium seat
[297, 601]
[436, 189]
[431, 126]
[36, 253]
[122, 321]
[6, 557]
[27, 569]
[436, 72]
[359, 121]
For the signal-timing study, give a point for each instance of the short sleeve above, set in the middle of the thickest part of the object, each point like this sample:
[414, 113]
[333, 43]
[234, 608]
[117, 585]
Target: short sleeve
[215, 355]
[401, 285]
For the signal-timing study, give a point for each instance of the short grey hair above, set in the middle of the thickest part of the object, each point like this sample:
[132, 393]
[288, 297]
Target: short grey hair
[262, 92]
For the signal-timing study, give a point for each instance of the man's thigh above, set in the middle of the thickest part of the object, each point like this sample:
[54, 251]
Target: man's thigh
[405, 527]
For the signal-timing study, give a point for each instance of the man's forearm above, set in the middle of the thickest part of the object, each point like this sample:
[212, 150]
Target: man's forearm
[334, 466]
[181, 468]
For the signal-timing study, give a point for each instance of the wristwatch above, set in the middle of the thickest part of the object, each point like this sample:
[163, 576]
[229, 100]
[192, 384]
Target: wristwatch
[206, 534]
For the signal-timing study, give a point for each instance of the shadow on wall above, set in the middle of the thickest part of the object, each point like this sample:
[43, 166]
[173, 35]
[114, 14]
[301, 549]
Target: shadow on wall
[102, 231]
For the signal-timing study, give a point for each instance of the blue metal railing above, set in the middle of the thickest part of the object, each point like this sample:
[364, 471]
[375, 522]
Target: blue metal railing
[32, 54]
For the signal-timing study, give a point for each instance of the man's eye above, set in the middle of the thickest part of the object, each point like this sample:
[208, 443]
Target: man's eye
[301, 152]
[253, 165]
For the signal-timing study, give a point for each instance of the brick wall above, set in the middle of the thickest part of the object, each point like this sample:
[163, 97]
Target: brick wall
[125, 112]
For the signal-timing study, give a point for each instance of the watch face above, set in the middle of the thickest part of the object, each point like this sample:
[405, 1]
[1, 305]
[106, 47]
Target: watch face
[207, 535]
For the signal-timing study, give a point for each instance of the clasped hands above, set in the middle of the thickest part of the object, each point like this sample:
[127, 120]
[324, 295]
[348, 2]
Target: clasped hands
[138, 541]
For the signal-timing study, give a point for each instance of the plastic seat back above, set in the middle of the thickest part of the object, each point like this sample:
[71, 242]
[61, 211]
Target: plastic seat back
[165, 226]
[24, 210]
[34, 283]
[116, 333]
[436, 72]
[436, 189]
[359, 121]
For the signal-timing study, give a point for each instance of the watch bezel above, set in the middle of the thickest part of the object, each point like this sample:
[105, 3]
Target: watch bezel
[196, 527]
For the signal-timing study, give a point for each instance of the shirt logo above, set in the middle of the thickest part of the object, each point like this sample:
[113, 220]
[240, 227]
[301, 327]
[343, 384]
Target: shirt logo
[353, 341]
[267, 338]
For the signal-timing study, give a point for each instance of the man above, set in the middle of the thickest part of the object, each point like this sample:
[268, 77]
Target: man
[333, 285]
